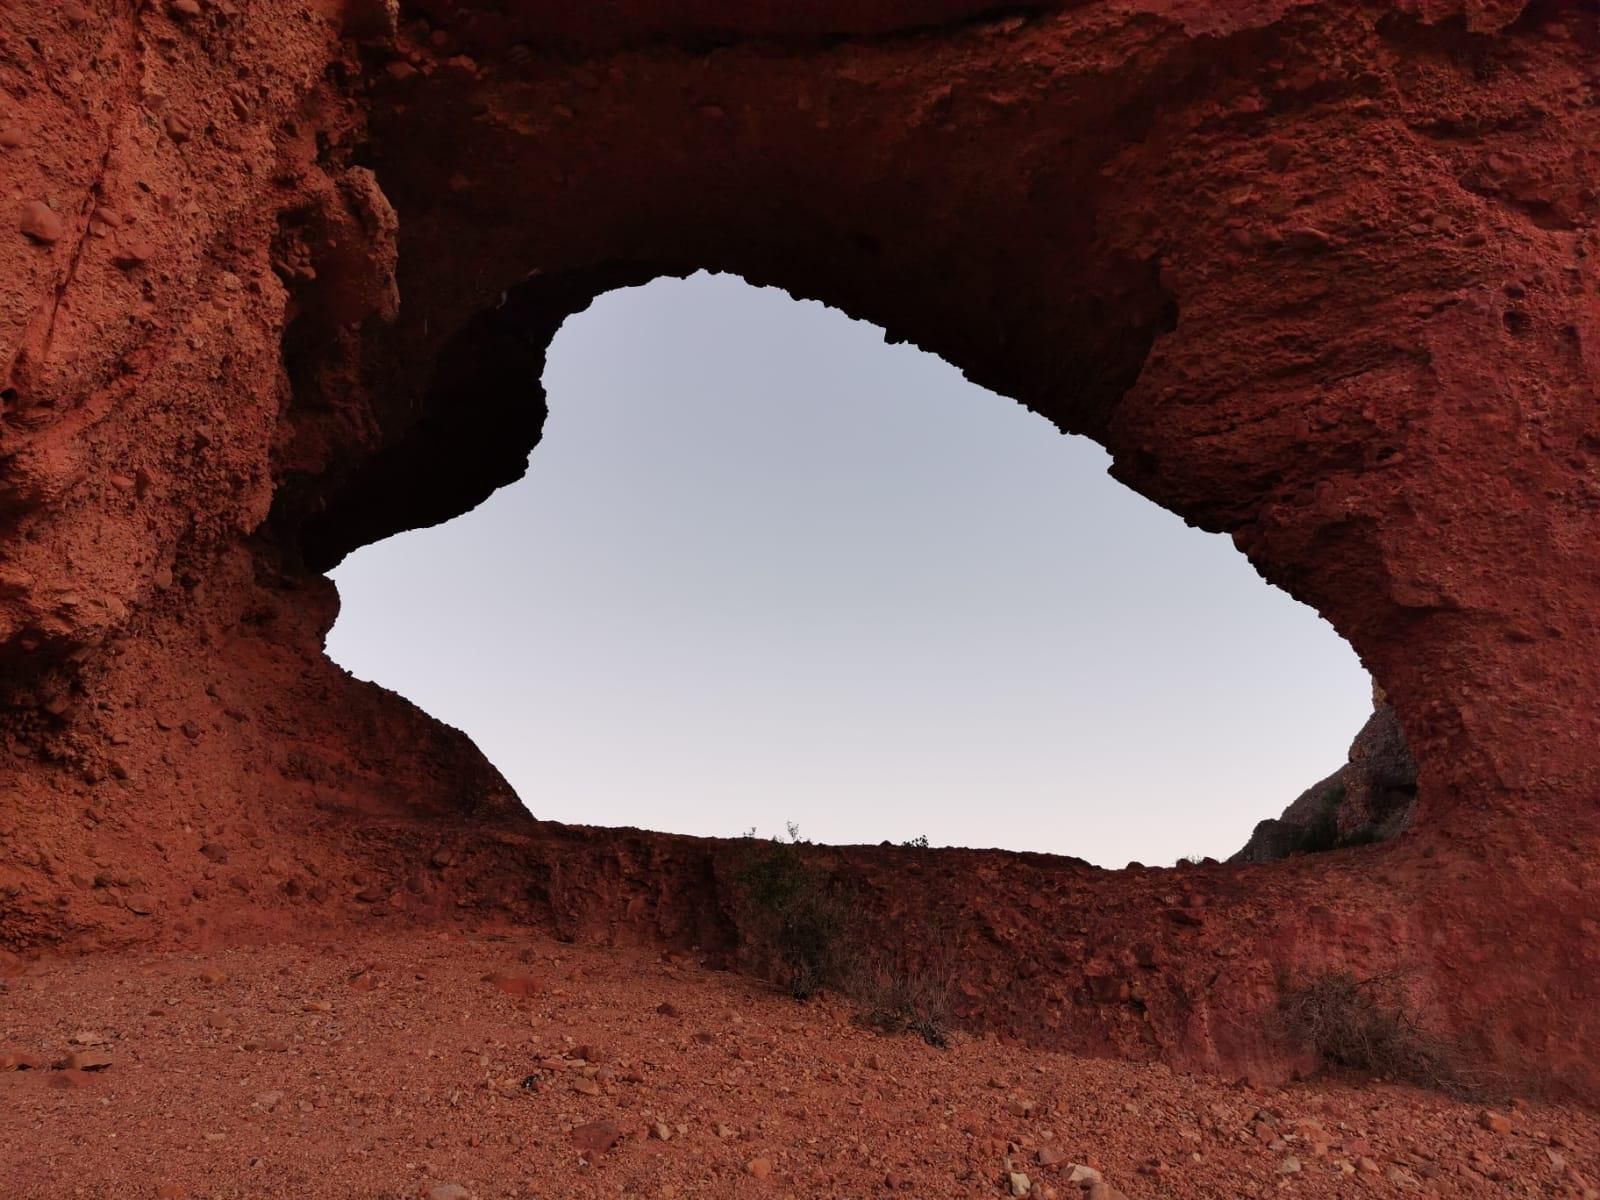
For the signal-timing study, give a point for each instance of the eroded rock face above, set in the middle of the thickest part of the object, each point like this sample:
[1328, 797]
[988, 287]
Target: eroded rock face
[1320, 275]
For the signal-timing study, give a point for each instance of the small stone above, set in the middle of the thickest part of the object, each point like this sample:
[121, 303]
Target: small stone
[515, 984]
[1307, 237]
[586, 1087]
[185, 8]
[667, 1009]
[177, 128]
[213, 975]
[267, 1101]
[661, 1131]
[1021, 1185]
[1049, 1156]
[11, 137]
[449, 1191]
[129, 255]
[88, 1060]
[215, 852]
[1081, 1175]
[596, 1138]
[761, 1168]
[317, 1006]
[1289, 1166]
[1494, 1122]
[40, 222]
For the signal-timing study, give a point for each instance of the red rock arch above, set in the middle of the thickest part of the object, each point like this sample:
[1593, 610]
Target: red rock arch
[1318, 275]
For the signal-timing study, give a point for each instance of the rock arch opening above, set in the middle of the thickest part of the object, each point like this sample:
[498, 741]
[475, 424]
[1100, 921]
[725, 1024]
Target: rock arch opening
[1319, 276]
[765, 567]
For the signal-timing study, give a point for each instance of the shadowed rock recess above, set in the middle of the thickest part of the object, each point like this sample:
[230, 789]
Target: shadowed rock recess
[278, 281]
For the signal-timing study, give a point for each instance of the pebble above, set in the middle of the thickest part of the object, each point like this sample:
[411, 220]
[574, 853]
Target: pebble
[1081, 1175]
[761, 1168]
[1494, 1122]
[88, 1060]
[1289, 1166]
[596, 1138]
[1400, 1177]
[40, 222]
[267, 1101]
[514, 984]
[1021, 1185]
[128, 255]
[185, 8]
[11, 137]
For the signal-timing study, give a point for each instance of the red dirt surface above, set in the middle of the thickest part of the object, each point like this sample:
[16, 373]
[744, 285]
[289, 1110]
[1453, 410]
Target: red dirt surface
[276, 280]
[307, 1070]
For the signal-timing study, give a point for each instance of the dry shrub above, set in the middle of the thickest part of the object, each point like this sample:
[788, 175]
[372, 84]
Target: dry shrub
[1369, 1025]
[899, 994]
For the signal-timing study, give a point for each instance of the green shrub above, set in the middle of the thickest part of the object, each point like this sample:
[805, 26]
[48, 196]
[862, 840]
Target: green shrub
[810, 922]
[802, 913]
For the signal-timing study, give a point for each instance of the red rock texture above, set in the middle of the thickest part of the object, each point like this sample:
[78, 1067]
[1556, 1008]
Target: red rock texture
[1321, 275]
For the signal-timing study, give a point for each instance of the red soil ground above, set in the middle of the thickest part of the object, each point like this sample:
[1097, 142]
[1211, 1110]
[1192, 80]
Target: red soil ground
[395, 1069]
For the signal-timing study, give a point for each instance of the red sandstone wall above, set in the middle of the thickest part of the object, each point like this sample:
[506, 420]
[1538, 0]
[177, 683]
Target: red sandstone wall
[1321, 275]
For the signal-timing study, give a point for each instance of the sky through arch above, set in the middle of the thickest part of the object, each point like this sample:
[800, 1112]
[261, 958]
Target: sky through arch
[766, 568]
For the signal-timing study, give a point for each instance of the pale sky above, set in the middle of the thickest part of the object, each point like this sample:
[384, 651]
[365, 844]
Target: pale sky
[766, 568]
